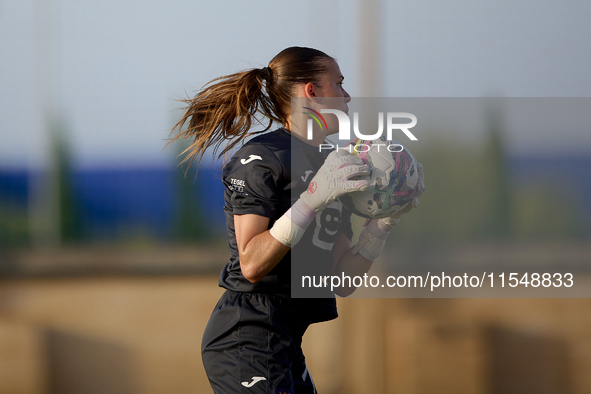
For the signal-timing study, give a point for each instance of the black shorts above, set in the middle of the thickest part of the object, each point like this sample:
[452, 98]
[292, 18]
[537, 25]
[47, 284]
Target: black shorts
[252, 344]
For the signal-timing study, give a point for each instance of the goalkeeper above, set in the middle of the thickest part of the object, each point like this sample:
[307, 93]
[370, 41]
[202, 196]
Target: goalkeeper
[252, 342]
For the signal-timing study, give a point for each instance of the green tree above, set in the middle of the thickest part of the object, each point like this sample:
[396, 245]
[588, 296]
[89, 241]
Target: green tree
[70, 228]
[498, 224]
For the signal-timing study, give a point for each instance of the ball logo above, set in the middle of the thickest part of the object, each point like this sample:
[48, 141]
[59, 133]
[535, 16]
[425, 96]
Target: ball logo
[312, 187]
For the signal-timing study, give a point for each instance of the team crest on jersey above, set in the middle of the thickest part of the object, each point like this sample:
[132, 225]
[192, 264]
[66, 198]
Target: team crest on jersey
[283, 391]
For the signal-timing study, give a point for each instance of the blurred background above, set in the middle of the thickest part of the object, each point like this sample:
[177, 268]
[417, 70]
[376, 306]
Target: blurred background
[109, 252]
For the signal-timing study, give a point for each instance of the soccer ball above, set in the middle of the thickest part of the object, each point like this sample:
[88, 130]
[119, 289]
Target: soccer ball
[393, 171]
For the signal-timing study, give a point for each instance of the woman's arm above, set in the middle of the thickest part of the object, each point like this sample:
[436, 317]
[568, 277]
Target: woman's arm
[344, 262]
[258, 250]
[357, 260]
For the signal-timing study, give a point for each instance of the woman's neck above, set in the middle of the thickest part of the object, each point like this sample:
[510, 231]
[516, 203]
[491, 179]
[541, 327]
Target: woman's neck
[301, 133]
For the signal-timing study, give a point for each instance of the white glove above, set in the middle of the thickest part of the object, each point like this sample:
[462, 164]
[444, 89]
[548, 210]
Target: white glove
[373, 237]
[336, 178]
[332, 180]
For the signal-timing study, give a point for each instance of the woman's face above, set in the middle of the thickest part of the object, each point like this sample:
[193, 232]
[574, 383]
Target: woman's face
[330, 86]
[330, 83]
[326, 93]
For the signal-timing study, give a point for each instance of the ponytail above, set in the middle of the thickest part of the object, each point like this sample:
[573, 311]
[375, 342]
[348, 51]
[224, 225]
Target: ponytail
[223, 112]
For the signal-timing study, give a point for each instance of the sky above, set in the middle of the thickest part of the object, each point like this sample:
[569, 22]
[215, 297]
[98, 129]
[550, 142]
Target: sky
[112, 70]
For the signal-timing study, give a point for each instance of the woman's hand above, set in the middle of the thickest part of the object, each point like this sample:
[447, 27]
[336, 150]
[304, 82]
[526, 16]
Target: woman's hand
[373, 237]
[340, 174]
[358, 259]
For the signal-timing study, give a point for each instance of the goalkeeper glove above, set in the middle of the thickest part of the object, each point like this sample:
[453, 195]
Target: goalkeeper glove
[340, 174]
[373, 237]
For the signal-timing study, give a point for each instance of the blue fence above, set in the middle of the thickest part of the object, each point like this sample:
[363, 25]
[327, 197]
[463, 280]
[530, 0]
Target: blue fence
[111, 202]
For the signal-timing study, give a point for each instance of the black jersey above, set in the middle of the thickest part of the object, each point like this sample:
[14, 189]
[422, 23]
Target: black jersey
[259, 181]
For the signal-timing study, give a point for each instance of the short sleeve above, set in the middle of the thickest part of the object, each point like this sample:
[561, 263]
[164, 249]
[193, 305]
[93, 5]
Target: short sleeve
[251, 178]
